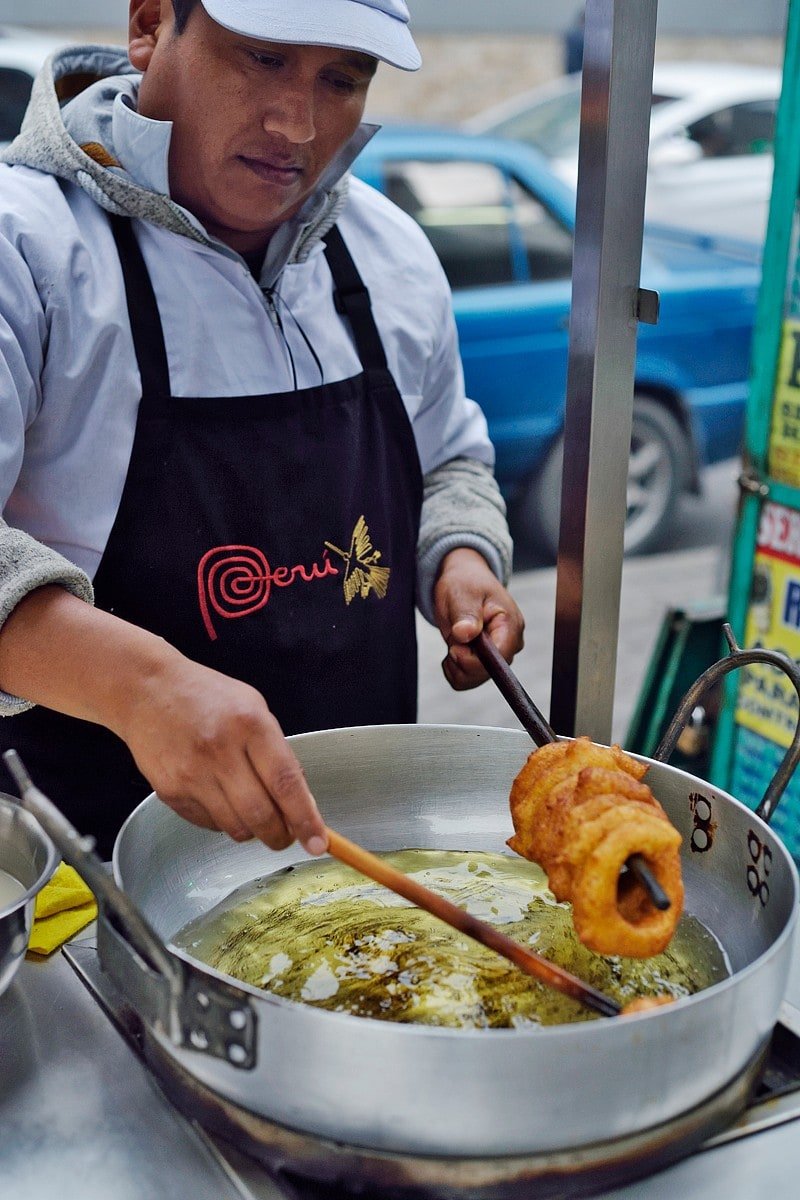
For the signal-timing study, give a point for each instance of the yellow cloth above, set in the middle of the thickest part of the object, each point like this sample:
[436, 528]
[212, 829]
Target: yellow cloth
[63, 907]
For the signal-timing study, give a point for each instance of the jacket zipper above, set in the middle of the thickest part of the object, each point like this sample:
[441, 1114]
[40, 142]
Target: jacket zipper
[275, 317]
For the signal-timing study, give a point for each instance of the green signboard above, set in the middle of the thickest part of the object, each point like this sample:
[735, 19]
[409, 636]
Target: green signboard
[760, 711]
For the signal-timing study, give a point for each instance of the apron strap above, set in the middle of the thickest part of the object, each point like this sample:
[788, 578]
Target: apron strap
[351, 300]
[148, 334]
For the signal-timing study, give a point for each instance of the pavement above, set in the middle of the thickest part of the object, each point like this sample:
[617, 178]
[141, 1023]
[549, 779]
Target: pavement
[650, 586]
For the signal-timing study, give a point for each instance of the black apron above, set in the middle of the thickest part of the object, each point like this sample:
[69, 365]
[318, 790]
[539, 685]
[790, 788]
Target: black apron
[272, 538]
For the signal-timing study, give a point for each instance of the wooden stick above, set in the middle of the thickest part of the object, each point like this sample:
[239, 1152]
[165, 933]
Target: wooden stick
[527, 960]
[512, 690]
[532, 720]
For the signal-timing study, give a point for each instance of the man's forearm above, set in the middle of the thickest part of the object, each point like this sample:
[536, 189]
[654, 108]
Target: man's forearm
[59, 651]
[25, 566]
[462, 506]
[208, 744]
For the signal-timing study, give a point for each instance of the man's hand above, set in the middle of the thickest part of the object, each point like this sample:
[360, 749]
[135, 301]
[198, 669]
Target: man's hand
[467, 598]
[206, 743]
[213, 751]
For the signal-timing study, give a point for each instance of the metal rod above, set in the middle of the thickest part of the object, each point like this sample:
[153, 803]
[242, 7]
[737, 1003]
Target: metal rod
[532, 720]
[78, 851]
[512, 690]
[542, 969]
[617, 76]
[642, 873]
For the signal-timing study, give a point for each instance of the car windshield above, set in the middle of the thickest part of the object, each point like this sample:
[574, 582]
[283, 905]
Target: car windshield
[553, 125]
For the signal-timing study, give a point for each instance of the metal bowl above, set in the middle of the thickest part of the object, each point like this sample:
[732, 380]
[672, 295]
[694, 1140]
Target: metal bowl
[27, 854]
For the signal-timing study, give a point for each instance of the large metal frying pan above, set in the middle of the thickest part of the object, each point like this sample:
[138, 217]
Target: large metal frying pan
[458, 1092]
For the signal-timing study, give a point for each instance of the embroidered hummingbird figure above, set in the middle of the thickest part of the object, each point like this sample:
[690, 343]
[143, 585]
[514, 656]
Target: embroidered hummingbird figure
[362, 573]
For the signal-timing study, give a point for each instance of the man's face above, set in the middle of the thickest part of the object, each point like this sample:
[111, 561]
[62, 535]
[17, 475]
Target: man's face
[254, 123]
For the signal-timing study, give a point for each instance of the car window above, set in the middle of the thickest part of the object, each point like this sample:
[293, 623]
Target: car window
[15, 92]
[551, 126]
[486, 227]
[740, 129]
[547, 244]
[466, 211]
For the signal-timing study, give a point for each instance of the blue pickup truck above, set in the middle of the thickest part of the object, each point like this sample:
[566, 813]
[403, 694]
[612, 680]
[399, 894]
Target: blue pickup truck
[502, 224]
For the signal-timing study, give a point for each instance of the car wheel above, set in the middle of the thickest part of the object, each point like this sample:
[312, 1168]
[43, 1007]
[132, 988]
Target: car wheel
[657, 472]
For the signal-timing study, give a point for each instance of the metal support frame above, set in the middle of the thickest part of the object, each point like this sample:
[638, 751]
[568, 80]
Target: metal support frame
[619, 49]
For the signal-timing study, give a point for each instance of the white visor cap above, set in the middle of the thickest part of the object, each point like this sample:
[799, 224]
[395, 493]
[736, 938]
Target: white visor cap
[375, 27]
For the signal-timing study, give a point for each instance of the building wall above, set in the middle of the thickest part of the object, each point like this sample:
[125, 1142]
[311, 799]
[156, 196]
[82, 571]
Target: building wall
[766, 17]
[733, 17]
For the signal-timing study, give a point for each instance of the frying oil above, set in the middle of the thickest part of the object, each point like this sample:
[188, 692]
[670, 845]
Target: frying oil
[322, 934]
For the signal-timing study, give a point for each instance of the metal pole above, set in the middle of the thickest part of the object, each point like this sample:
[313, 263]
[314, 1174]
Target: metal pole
[617, 84]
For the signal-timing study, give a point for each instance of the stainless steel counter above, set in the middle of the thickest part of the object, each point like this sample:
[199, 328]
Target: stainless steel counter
[79, 1114]
[82, 1119]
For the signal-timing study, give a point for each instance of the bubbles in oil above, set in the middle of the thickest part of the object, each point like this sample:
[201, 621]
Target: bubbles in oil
[321, 934]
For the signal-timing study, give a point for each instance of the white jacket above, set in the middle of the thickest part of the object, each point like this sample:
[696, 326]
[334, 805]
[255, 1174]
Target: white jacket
[69, 382]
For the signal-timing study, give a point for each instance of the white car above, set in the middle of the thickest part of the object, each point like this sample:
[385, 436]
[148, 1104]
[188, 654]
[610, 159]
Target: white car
[711, 139]
[22, 53]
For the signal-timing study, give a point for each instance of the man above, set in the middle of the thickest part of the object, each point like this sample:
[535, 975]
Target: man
[231, 398]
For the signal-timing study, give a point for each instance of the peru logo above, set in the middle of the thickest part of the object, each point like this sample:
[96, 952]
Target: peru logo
[236, 581]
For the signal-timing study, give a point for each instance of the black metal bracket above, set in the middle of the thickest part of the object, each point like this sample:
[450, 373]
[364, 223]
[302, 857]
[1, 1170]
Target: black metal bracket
[201, 1013]
[648, 306]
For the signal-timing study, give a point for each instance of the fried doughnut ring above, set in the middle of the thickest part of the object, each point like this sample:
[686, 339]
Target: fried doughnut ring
[598, 920]
[581, 810]
[584, 828]
[556, 827]
[551, 765]
[553, 815]
[596, 791]
[543, 770]
[645, 1003]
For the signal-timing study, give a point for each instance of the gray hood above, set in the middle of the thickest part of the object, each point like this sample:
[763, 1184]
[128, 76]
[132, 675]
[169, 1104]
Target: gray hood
[68, 132]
